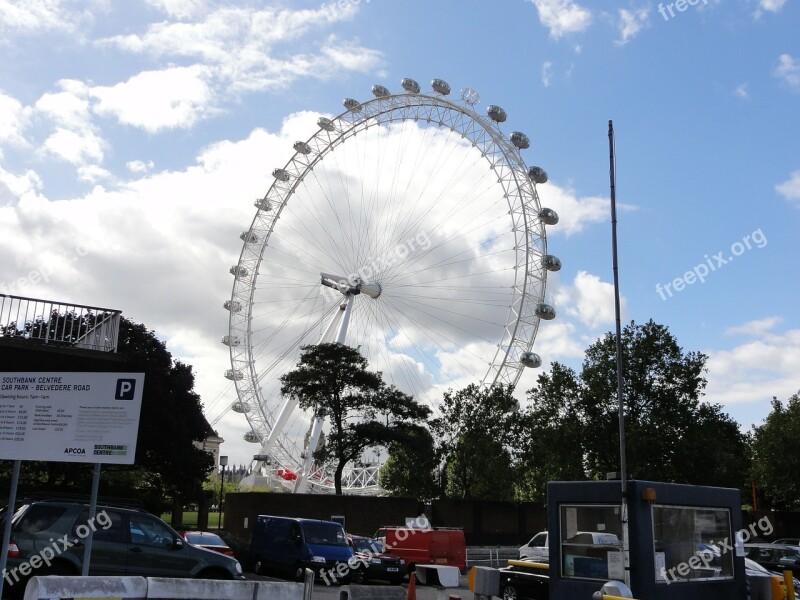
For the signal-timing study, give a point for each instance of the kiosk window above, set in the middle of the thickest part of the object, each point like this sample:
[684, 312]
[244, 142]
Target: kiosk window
[692, 543]
[591, 546]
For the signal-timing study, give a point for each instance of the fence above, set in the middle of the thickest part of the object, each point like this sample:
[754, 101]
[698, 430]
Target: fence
[58, 323]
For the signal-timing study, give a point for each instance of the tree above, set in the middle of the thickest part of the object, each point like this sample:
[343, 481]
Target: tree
[409, 470]
[671, 435]
[548, 434]
[171, 418]
[475, 432]
[363, 411]
[776, 445]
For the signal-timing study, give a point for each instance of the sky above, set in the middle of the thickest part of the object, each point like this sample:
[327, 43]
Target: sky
[135, 137]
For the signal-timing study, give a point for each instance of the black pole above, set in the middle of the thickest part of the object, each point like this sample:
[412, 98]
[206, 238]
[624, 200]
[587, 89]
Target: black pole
[623, 467]
[221, 488]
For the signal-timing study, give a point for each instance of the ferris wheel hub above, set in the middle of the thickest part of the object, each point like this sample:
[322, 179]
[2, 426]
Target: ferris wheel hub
[352, 285]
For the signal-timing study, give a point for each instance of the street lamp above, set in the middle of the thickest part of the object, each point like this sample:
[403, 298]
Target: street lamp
[223, 462]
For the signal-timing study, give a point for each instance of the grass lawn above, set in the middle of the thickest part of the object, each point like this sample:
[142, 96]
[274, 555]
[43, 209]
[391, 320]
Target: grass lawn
[190, 519]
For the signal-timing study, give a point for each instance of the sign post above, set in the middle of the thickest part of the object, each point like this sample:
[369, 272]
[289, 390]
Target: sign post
[68, 417]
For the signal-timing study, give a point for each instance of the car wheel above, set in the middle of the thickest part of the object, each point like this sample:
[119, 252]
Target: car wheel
[509, 593]
[359, 576]
[220, 574]
[299, 573]
[396, 581]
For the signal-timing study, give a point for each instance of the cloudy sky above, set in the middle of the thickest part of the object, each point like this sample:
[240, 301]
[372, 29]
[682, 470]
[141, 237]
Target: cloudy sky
[135, 137]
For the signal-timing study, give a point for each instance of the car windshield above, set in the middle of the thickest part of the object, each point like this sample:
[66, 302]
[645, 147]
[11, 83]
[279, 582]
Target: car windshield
[368, 545]
[207, 538]
[326, 534]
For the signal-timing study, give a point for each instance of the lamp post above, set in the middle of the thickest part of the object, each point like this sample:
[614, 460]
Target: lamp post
[223, 462]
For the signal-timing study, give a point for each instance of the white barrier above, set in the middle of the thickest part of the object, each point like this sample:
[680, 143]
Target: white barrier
[55, 586]
[163, 588]
[438, 575]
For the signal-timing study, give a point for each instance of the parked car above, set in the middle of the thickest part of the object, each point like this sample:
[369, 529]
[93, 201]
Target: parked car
[125, 541]
[207, 540]
[752, 568]
[374, 563]
[288, 546]
[536, 548]
[788, 541]
[429, 546]
[520, 580]
[775, 557]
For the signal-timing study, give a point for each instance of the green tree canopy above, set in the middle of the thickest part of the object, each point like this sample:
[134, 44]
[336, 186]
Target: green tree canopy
[363, 411]
[409, 471]
[776, 446]
[671, 435]
[476, 431]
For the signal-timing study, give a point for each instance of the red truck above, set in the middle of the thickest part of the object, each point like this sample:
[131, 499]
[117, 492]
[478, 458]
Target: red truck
[430, 546]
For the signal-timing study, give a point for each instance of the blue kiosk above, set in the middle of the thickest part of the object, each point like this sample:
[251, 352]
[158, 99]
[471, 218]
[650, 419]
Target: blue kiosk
[682, 540]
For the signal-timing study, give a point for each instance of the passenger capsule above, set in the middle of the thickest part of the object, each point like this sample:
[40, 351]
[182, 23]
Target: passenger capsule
[302, 148]
[496, 113]
[520, 140]
[231, 340]
[238, 271]
[380, 91]
[537, 175]
[440, 86]
[351, 104]
[551, 263]
[280, 174]
[232, 306]
[252, 437]
[239, 407]
[548, 216]
[325, 123]
[531, 360]
[410, 85]
[545, 311]
[234, 375]
[248, 237]
[262, 204]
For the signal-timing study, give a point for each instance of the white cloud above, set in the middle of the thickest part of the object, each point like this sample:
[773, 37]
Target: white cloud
[756, 371]
[33, 16]
[563, 16]
[757, 327]
[742, 91]
[631, 22]
[75, 147]
[790, 189]
[589, 300]
[140, 166]
[789, 71]
[174, 98]
[773, 6]
[183, 9]
[574, 213]
[13, 120]
[547, 70]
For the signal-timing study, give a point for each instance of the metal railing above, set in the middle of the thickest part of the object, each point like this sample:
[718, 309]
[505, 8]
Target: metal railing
[59, 323]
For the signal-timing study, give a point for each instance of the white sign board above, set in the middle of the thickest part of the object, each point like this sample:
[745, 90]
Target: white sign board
[70, 417]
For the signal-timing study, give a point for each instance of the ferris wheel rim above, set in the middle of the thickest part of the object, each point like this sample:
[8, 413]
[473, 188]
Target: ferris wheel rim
[376, 112]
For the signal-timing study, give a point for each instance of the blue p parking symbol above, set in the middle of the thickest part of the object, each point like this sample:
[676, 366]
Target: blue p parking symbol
[125, 389]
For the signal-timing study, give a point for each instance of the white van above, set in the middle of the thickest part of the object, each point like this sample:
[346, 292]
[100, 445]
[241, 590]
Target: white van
[538, 547]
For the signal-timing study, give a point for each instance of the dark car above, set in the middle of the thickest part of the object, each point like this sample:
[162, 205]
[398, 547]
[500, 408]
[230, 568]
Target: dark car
[47, 538]
[788, 541]
[520, 580]
[207, 540]
[775, 557]
[374, 563]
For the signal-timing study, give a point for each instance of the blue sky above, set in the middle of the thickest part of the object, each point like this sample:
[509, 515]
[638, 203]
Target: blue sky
[134, 137]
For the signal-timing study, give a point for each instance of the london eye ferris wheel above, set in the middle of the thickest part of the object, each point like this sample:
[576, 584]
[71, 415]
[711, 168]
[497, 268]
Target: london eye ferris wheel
[408, 226]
